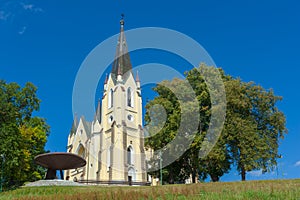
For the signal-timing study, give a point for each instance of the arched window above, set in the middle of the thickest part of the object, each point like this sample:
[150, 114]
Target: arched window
[110, 98]
[129, 155]
[130, 97]
[81, 151]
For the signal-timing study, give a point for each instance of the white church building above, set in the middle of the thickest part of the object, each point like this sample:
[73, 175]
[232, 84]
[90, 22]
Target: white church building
[113, 143]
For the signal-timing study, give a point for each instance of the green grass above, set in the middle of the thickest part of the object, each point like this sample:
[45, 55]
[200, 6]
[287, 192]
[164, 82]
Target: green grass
[274, 189]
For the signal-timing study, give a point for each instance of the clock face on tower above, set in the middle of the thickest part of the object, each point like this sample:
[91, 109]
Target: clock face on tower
[110, 119]
[130, 117]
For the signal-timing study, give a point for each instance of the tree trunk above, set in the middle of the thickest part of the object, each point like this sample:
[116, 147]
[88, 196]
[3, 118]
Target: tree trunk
[193, 176]
[243, 173]
[171, 177]
[214, 178]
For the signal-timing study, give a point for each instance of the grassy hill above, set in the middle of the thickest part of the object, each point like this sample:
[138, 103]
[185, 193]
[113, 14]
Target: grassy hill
[273, 189]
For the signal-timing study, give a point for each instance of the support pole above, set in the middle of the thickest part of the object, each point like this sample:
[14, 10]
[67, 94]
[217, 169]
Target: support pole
[61, 174]
[160, 166]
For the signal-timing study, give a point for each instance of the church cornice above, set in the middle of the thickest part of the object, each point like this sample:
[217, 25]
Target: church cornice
[96, 133]
[140, 127]
[116, 88]
[108, 131]
[131, 110]
[131, 128]
[109, 112]
[123, 89]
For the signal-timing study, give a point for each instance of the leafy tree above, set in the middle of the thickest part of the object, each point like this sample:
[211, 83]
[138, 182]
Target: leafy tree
[217, 162]
[163, 115]
[171, 125]
[189, 163]
[250, 136]
[254, 126]
[22, 136]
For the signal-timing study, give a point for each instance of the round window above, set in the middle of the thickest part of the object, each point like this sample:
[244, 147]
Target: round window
[110, 119]
[130, 117]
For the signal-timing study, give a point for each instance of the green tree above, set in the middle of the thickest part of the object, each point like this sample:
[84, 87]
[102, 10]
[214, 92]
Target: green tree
[171, 125]
[253, 125]
[250, 136]
[217, 162]
[163, 117]
[22, 136]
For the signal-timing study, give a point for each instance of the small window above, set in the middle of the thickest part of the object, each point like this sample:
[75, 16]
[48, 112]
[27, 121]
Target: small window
[110, 98]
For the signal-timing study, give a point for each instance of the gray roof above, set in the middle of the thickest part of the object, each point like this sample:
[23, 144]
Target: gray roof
[87, 126]
[74, 126]
[98, 112]
[122, 63]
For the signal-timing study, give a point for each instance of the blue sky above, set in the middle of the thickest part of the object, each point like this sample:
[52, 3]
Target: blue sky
[45, 42]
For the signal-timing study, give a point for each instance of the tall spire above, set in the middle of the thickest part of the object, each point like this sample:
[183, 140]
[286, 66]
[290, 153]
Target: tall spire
[122, 63]
[137, 78]
[74, 125]
[106, 79]
[98, 112]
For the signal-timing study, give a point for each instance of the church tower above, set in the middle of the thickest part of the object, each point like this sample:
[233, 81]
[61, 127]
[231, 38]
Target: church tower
[113, 144]
[122, 118]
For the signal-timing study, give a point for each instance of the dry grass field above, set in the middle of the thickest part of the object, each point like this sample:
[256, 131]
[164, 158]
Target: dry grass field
[271, 189]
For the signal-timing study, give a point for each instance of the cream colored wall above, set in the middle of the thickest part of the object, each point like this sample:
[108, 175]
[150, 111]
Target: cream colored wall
[92, 159]
[137, 109]
[78, 139]
[104, 175]
[120, 111]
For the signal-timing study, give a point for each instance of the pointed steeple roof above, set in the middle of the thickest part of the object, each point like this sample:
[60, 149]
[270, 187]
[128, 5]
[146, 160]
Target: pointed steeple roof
[98, 112]
[106, 79]
[87, 126]
[74, 125]
[122, 63]
[137, 78]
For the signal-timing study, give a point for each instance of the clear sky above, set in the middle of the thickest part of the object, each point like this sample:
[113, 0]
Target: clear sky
[45, 42]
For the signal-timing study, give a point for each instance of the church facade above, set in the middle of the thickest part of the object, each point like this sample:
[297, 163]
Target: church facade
[113, 143]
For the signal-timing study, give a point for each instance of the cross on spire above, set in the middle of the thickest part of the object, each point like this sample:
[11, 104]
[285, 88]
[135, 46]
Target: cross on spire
[122, 19]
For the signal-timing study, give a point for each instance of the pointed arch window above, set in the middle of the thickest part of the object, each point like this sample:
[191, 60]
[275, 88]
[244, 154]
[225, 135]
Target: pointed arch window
[81, 151]
[130, 98]
[110, 98]
[130, 155]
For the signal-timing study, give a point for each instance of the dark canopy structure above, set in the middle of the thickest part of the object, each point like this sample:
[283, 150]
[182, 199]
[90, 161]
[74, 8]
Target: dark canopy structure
[59, 161]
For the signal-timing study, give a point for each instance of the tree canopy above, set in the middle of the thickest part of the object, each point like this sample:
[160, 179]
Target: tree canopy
[250, 136]
[22, 135]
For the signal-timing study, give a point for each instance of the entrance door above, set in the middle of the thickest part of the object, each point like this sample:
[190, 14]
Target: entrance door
[131, 175]
[130, 180]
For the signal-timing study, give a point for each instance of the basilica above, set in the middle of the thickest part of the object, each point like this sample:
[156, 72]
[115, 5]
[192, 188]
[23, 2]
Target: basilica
[113, 143]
